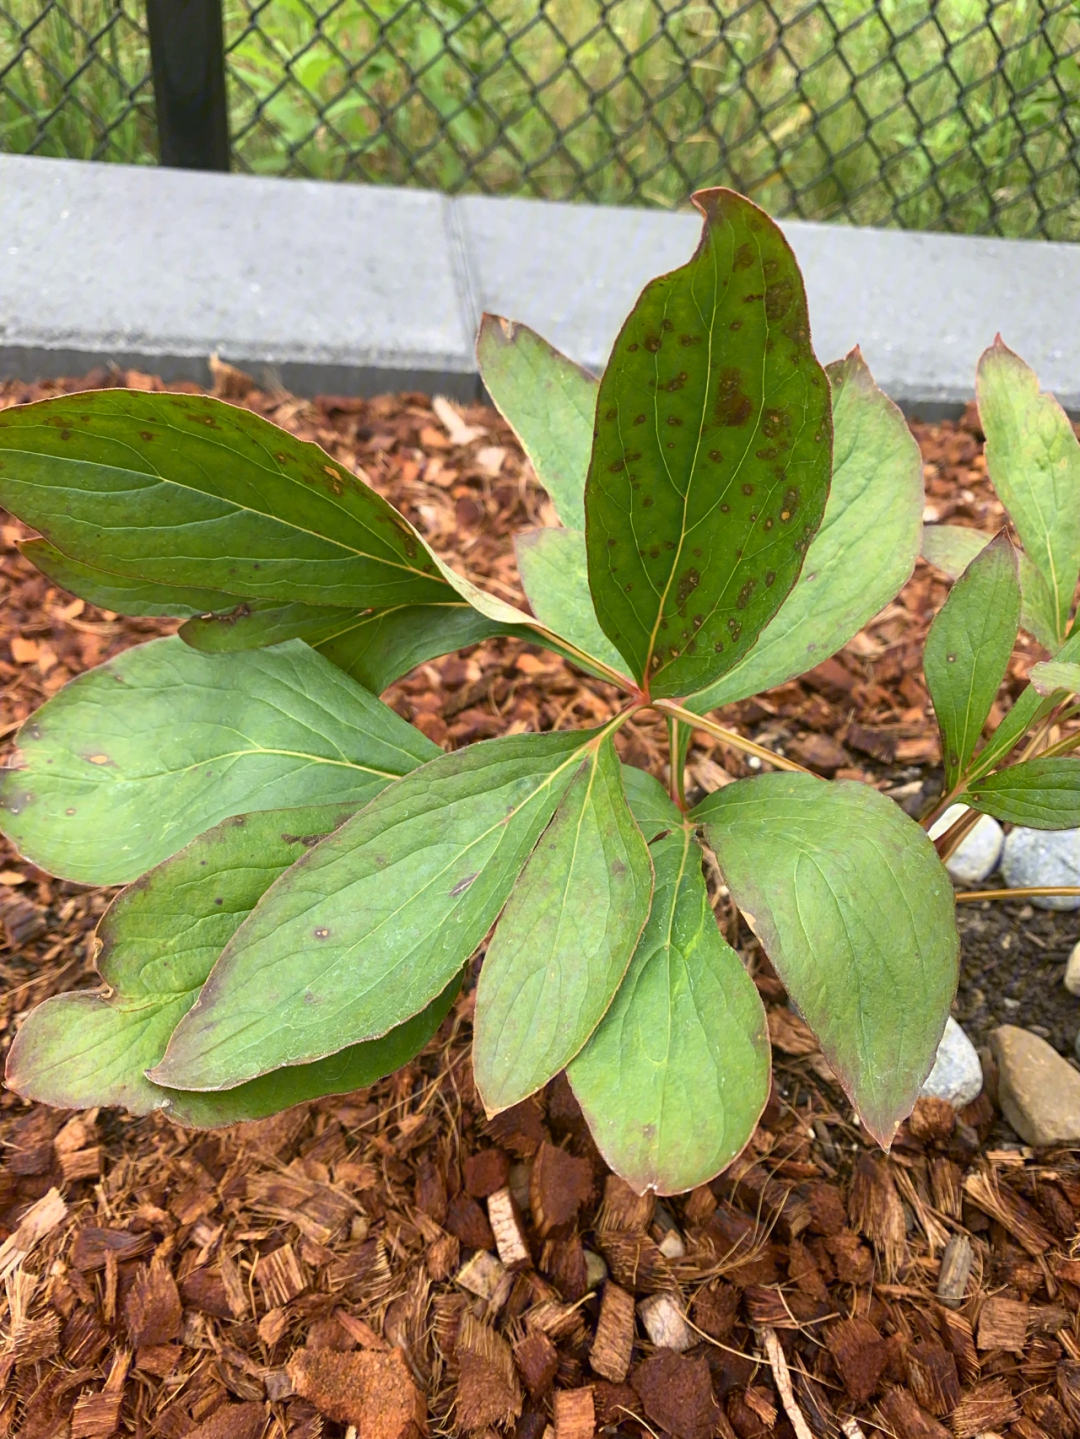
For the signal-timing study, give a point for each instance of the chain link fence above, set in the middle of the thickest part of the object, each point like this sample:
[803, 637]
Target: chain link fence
[946, 114]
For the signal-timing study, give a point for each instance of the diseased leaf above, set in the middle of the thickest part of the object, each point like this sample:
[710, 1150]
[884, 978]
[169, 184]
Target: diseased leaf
[1033, 458]
[864, 551]
[952, 548]
[713, 452]
[374, 649]
[550, 403]
[123, 596]
[675, 1078]
[1041, 793]
[369, 926]
[159, 941]
[554, 574]
[1053, 675]
[856, 913]
[968, 649]
[185, 490]
[565, 938]
[135, 758]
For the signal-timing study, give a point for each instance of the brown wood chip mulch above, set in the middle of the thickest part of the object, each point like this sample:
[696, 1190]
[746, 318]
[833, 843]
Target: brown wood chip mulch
[388, 1263]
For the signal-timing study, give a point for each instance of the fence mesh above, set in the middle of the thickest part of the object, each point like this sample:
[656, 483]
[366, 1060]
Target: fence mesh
[946, 114]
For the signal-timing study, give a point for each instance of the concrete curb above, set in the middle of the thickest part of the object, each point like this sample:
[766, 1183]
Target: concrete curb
[357, 289]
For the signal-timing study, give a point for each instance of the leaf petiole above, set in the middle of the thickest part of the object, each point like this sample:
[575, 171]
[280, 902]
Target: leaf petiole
[673, 710]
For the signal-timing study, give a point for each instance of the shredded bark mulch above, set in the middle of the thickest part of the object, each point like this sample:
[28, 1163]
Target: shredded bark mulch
[390, 1263]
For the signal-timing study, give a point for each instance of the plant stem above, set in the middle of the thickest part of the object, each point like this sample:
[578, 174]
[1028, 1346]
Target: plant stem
[678, 743]
[946, 843]
[969, 896]
[729, 737]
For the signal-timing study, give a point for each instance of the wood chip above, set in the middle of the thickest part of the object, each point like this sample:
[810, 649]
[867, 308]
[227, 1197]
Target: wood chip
[537, 1360]
[987, 1407]
[614, 1341]
[902, 1416]
[665, 1323]
[1003, 1324]
[782, 1379]
[575, 1414]
[956, 1262]
[507, 1228]
[97, 1415]
[622, 1210]
[486, 1277]
[559, 1185]
[40, 1219]
[280, 1276]
[488, 1389]
[877, 1212]
[932, 1377]
[1011, 1212]
[374, 1391]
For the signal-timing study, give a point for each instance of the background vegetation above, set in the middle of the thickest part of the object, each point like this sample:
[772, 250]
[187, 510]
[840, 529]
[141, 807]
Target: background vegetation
[945, 114]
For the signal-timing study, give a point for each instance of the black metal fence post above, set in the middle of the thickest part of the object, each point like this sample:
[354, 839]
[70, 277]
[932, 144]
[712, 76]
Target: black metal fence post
[187, 53]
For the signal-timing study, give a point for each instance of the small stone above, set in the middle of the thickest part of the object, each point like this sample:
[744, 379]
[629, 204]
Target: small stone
[1043, 857]
[976, 856]
[957, 1074]
[1038, 1091]
[1072, 972]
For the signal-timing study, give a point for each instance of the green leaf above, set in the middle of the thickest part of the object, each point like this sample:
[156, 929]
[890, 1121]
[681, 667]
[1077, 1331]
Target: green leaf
[135, 758]
[373, 923]
[1033, 458]
[550, 402]
[565, 939]
[554, 574]
[184, 490]
[712, 458]
[374, 648]
[1029, 710]
[674, 1080]
[1040, 793]
[123, 596]
[862, 555]
[159, 941]
[952, 548]
[968, 649]
[856, 912]
[650, 803]
[1053, 675]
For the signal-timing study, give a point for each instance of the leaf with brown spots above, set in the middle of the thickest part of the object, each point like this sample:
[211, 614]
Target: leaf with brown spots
[711, 456]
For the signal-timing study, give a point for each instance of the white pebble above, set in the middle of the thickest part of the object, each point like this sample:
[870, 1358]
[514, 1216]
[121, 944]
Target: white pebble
[976, 856]
[1072, 972]
[957, 1074]
[1043, 857]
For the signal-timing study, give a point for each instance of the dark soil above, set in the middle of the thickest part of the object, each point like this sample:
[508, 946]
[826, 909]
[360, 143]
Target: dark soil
[319, 1270]
[1011, 970]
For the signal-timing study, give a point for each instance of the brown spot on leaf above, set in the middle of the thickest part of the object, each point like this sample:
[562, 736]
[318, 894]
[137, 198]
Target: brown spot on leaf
[778, 299]
[745, 593]
[733, 404]
[744, 256]
[716, 456]
[687, 585]
[677, 383]
[616, 466]
[687, 340]
[652, 343]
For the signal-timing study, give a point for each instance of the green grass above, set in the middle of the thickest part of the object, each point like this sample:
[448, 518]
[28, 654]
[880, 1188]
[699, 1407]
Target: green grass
[945, 114]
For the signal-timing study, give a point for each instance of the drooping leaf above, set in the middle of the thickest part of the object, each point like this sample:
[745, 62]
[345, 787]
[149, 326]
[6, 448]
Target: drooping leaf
[550, 402]
[856, 913]
[374, 648]
[565, 939]
[159, 941]
[968, 649]
[1033, 458]
[135, 758]
[1042, 793]
[184, 490]
[1053, 675]
[675, 1078]
[373, 923]
[953, 547]
[713, 452]
[864, 551]
[555, 576]
[124, 596]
